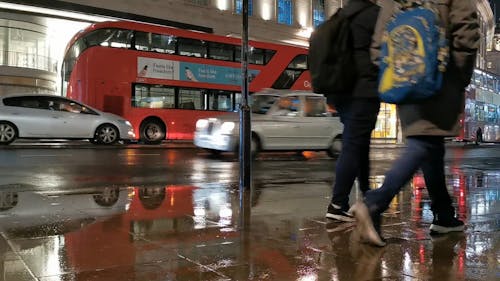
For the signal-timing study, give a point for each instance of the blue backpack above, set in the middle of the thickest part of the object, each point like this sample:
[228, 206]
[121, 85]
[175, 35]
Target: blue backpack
[414, 54]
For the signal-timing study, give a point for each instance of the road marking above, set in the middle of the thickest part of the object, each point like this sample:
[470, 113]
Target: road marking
[47, 155]
[140, 154]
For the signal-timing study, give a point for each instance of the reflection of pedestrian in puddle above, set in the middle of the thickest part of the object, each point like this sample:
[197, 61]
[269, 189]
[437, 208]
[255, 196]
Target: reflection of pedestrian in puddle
[143, 72]
[190, 75]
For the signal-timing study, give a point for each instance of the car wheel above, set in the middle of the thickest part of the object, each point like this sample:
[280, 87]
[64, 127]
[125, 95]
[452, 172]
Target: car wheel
[106, 134]
[8, 132]
[8, 200]
[152, 132]
[335, 147]
[108, 197]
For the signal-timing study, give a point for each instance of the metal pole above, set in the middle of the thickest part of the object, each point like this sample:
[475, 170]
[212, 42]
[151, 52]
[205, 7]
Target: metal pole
[245, 130]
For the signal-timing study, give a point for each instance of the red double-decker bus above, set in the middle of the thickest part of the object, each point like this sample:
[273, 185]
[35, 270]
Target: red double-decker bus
[163, 79]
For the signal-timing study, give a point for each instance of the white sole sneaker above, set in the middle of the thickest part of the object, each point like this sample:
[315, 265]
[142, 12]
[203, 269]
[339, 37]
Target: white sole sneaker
[339, 217]
[443, 229]
[365, 225]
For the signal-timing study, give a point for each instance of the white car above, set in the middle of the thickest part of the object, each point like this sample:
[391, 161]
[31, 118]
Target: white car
[27, 209]
[48, 117]
[281, 121]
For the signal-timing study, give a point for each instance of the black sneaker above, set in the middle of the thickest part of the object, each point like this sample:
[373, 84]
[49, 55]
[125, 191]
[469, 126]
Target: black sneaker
[336, 213]
[446, 223]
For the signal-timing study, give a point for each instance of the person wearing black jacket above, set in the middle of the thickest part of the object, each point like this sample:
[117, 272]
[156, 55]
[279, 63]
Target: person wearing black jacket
[358, 111]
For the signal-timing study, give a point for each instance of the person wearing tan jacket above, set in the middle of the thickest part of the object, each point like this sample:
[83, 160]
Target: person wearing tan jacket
[426, 124]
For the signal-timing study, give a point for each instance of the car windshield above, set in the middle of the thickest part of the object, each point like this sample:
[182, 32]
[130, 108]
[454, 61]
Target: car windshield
[260, 104]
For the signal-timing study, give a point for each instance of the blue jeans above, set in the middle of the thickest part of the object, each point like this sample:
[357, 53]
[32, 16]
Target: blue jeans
[359, 117]
[426, 153]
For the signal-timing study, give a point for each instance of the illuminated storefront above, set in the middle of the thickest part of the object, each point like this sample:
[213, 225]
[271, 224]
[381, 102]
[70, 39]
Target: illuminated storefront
[386, 126]
[482, 107]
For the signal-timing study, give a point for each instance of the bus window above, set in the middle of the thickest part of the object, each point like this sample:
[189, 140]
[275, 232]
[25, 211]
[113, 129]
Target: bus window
[286, 79]
[269, 55]
[99, 37]
[293, 71]
[299, 62]
[163, 97]
[237, 101]
[220, 100]
[256, 56]
[142, 41]
[120, 38]
[192, 47]
[163, 43]
[153, 96]
[70, 59]
[191, 99]
[112, 37]
[220, 51]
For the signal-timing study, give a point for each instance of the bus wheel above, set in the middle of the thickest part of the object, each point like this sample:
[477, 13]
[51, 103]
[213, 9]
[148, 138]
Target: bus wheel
[152, 132]
[106, 134]
[8, 133]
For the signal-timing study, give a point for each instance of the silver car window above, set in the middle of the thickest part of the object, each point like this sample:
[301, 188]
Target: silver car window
[260, 104]
[287, 106]
[26, 101]
[315, 107]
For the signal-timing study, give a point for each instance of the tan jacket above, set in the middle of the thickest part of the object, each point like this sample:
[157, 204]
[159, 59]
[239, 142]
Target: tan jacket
[439, 116]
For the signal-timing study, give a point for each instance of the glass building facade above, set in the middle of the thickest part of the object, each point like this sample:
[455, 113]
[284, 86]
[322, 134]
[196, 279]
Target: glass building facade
[25, 55]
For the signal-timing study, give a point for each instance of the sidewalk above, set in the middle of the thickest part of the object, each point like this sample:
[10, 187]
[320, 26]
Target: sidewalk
[202, 233]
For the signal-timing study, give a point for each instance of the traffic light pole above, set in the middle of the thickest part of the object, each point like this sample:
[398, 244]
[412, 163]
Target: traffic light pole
[245, 125]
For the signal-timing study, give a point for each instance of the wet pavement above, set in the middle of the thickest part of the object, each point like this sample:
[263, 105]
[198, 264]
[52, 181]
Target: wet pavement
[198, 226]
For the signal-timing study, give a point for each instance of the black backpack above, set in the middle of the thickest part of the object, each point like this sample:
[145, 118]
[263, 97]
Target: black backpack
[331, 61]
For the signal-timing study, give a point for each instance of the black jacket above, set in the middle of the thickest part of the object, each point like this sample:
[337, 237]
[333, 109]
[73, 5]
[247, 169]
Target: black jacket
[364, 17]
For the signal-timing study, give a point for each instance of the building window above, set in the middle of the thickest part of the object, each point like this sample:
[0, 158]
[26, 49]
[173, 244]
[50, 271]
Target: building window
[285, 12]
[238, 7]
[318, 12]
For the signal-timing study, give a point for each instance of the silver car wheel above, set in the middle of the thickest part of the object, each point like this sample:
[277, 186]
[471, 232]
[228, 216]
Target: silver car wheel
[107, 134]
[108, 197]
[8, 200]
[7, 133]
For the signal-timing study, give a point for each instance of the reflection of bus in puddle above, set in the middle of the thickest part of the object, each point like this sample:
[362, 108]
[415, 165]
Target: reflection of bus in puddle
[159, 221]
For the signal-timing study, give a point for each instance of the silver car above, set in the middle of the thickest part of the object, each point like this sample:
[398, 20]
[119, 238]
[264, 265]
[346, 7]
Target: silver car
[281, 121]
[48, 116]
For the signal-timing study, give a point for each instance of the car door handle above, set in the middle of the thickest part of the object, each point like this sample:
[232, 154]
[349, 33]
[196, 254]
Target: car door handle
[55, 117]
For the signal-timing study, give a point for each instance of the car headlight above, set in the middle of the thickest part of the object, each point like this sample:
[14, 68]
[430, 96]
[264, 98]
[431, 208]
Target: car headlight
[227, 127]
[126, 122]
[202, 123]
